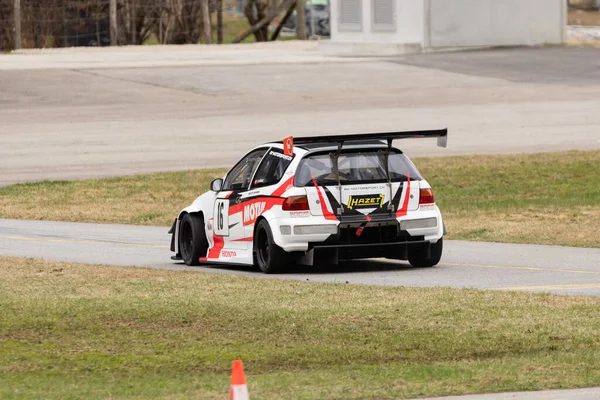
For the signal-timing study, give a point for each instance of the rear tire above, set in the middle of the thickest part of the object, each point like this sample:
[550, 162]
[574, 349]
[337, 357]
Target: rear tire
[192, 239]
[419, 257]
[269, 257]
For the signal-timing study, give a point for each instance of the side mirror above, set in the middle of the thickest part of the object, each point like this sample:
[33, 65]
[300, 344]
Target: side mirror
[216, 185]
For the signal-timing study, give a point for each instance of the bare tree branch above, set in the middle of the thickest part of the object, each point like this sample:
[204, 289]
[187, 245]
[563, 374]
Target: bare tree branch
[264, 22]
[287, 15]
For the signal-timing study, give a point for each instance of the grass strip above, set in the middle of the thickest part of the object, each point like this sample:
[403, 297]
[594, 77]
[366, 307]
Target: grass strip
[549, 198]
[81, 331]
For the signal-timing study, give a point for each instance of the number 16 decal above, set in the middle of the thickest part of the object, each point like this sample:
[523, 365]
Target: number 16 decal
[221, 217]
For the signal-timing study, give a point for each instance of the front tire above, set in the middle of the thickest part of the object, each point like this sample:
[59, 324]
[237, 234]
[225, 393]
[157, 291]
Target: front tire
[192, 239]
[419, 256]
[269, 257]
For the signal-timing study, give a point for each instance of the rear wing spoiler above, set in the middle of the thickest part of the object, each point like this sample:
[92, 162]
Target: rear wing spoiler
[440, 134]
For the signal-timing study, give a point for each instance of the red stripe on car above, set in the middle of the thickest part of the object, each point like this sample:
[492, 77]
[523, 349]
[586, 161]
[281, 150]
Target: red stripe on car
[252, 209]
[284, 187]
[402, 211]
[215, 251]
[247, 239]
[326, 213]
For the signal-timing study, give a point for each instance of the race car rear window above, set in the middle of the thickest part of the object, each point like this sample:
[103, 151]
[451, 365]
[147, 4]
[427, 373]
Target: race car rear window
[367, 166]
[272, 168]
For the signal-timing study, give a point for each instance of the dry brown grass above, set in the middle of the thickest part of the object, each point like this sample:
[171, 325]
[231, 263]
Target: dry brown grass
[140, 200]
[551, 198]
[583, 17]
[549, 225]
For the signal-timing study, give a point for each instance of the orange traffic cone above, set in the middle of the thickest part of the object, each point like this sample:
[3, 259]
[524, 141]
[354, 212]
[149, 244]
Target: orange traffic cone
[238, 389]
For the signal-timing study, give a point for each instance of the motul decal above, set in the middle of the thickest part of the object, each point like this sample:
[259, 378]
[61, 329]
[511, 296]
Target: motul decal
[253, 211]
[254, 208]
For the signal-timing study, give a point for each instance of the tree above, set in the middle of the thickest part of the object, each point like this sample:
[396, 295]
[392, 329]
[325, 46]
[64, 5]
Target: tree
[255, 12]
[7, 26]
[262, 25]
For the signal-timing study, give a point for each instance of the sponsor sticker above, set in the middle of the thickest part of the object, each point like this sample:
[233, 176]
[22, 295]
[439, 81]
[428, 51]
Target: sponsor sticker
[359, 188]
[366, 201]
[228, 253]
[299, 214]
[284, 156]
[253, 211]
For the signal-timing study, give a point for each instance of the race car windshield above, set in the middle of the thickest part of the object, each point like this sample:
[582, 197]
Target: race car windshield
[354, 168]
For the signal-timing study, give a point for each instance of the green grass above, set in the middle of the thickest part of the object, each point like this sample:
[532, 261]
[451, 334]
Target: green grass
[551, 198]
[75, 331]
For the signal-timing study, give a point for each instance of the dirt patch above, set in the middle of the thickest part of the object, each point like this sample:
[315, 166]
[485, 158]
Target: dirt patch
[583, 17]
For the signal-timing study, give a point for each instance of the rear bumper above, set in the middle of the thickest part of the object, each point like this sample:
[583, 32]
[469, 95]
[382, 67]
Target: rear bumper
[329, 234]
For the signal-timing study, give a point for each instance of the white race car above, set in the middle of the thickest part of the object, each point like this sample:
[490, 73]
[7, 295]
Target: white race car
[315, 200]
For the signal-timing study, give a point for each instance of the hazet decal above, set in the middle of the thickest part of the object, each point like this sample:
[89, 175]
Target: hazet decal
[253, 211]
[365, 201]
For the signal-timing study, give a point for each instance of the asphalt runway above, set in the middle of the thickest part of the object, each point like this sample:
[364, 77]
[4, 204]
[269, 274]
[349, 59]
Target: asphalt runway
[496, 266]
[72, 114]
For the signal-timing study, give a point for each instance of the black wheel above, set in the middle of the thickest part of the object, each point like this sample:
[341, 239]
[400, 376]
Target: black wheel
[420, 257]
[269, 257]
[192, 239]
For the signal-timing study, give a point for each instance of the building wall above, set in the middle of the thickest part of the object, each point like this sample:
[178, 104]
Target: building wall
[419, 25]
[409, 24]
[458, 23]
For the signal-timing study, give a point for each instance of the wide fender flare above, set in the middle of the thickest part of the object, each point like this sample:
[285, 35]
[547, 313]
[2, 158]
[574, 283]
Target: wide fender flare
[201, 204]
[442, 227]
[270, 217]
[443, 224]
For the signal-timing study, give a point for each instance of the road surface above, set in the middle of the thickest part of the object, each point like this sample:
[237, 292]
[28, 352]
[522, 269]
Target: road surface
[71, 114]
[568, 394]
[497, 266]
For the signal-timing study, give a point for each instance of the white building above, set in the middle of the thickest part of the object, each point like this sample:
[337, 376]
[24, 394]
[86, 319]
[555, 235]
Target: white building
[401, 26]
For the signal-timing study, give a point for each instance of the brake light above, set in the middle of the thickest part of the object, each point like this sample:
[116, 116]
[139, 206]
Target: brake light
[426, 196]
[296, 203]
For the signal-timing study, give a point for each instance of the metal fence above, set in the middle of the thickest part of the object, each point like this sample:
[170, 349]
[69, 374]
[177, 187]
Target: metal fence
[62, 23]
[67, 23]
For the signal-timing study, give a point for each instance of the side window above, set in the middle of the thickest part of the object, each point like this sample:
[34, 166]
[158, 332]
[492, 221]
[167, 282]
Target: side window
[272, 168]
[239, 177]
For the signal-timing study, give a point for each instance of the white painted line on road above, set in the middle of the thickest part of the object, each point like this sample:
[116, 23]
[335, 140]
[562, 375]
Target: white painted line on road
[552, 287]
[571, 271]
[83, 241]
